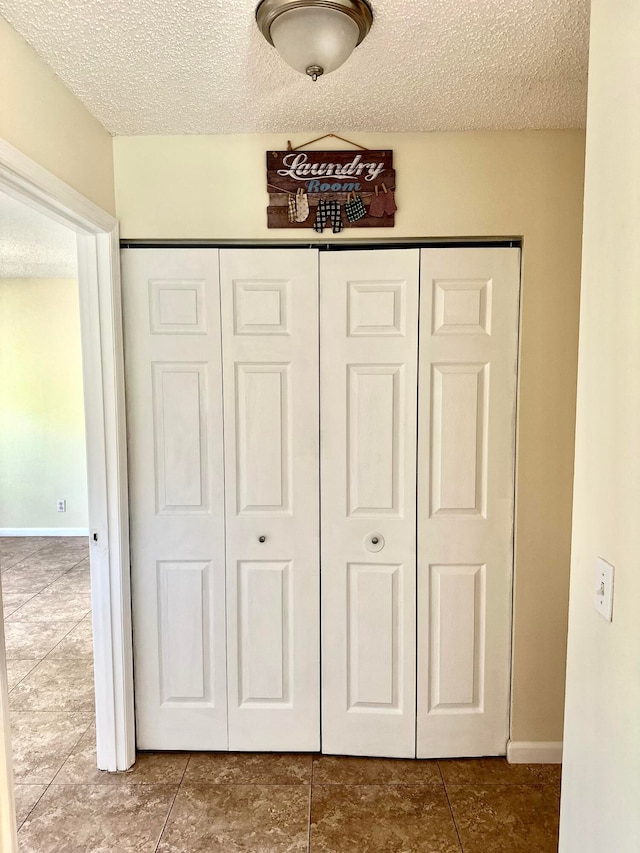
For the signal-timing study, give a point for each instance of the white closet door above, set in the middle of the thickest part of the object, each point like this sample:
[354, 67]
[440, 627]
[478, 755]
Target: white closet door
[467, 399]
[174, 413]
[369, 327]
[270, 353]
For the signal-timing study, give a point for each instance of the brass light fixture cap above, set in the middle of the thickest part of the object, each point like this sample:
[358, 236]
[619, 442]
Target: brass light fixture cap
[358, 10]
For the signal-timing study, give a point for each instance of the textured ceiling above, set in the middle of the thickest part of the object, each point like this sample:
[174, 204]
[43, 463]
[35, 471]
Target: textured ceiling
[32, 245]
[201, 66]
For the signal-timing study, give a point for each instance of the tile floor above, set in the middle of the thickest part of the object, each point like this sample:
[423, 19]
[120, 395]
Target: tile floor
[181, 803]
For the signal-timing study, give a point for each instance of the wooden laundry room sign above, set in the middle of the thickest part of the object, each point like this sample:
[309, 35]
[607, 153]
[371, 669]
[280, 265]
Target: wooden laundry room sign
[331, 190]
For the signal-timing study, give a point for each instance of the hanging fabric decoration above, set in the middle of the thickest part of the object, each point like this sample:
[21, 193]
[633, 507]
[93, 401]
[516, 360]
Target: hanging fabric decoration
[390, 205]
[302, 205]
[354, 208]
[376, 208]
[328, 210]
[291, 203]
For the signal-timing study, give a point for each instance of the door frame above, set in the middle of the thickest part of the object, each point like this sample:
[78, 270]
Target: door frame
[103, 378]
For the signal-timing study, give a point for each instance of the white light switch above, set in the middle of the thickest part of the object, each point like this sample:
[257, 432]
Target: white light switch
[604, 589]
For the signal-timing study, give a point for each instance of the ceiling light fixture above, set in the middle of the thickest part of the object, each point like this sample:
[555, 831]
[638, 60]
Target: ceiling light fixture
[314, 36]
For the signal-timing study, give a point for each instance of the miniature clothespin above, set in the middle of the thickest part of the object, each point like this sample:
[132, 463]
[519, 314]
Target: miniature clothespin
[289, 145]
[385, 188]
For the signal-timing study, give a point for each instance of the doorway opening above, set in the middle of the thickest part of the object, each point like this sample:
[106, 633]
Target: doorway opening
[96, 241]
[44, 527]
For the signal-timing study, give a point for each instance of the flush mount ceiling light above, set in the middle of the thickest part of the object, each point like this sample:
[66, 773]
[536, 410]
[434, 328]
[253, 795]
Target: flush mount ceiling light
[314, 36]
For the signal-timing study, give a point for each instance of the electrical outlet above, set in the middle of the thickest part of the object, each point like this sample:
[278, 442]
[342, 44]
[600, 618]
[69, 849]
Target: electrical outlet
[62, 506]
[603, 600]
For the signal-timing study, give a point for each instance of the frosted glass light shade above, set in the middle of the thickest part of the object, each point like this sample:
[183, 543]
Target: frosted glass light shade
[319, 36]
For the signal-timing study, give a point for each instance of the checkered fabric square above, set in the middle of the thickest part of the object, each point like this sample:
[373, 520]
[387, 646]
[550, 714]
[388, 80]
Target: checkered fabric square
[355, 209]
[292, 208]
[328, 210]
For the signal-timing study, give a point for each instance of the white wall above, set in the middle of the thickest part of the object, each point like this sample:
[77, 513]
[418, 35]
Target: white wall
[601, 778]
[42, 439]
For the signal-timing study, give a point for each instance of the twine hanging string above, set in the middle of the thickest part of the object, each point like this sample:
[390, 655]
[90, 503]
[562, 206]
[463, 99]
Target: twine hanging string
[290, 147]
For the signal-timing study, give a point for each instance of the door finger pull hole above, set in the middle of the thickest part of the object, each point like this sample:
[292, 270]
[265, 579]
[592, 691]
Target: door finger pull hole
[374, 542]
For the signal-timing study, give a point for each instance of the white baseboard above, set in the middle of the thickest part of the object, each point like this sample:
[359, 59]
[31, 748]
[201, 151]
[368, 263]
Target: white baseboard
[44, 531]
[534, 752]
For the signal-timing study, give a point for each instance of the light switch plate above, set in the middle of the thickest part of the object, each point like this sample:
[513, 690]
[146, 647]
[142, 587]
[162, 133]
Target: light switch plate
[604, 589]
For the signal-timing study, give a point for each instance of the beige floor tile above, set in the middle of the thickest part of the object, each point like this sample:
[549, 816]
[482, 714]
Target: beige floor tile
[51, 561]
[56, 685]
[26, 798]
[14, 549]
[248, 769]
[12, 601]
[377, 818]
[496, 771]
[234, 818]
[40, 743]
[65, 548]
[150, 768]
[34, 639]
[18, 669]
[97, 819]
[343, 770]
[77, 644]
[20, 578]
[53, 607]
[69, 543]
[499, 818]
[77, 579]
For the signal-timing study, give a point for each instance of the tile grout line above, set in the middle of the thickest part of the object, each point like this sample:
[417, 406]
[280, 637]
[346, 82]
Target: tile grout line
[166, 820]
[20, 606]
[67, 757]
[17, 684]
[33, 807]
[453, 818]
[175, 796]
[51, 651]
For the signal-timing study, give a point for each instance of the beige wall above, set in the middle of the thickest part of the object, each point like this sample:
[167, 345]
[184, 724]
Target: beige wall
[601, 778]
[42, 441]
[40, 117]
[455, 185]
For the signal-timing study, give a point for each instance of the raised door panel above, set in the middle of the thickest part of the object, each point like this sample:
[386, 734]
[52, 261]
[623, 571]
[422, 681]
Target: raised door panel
[180, 436]
[368, 345]
[270, 354]
[459, 431]
[263, 462]
[374, 616]
[174, 402]
[264, 633]
[466, 453]
[375, 420]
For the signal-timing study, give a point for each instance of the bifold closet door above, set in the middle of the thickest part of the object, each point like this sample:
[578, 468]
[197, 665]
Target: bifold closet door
[368, 335]
[270, 355]
[467, 398]
[176, 497]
